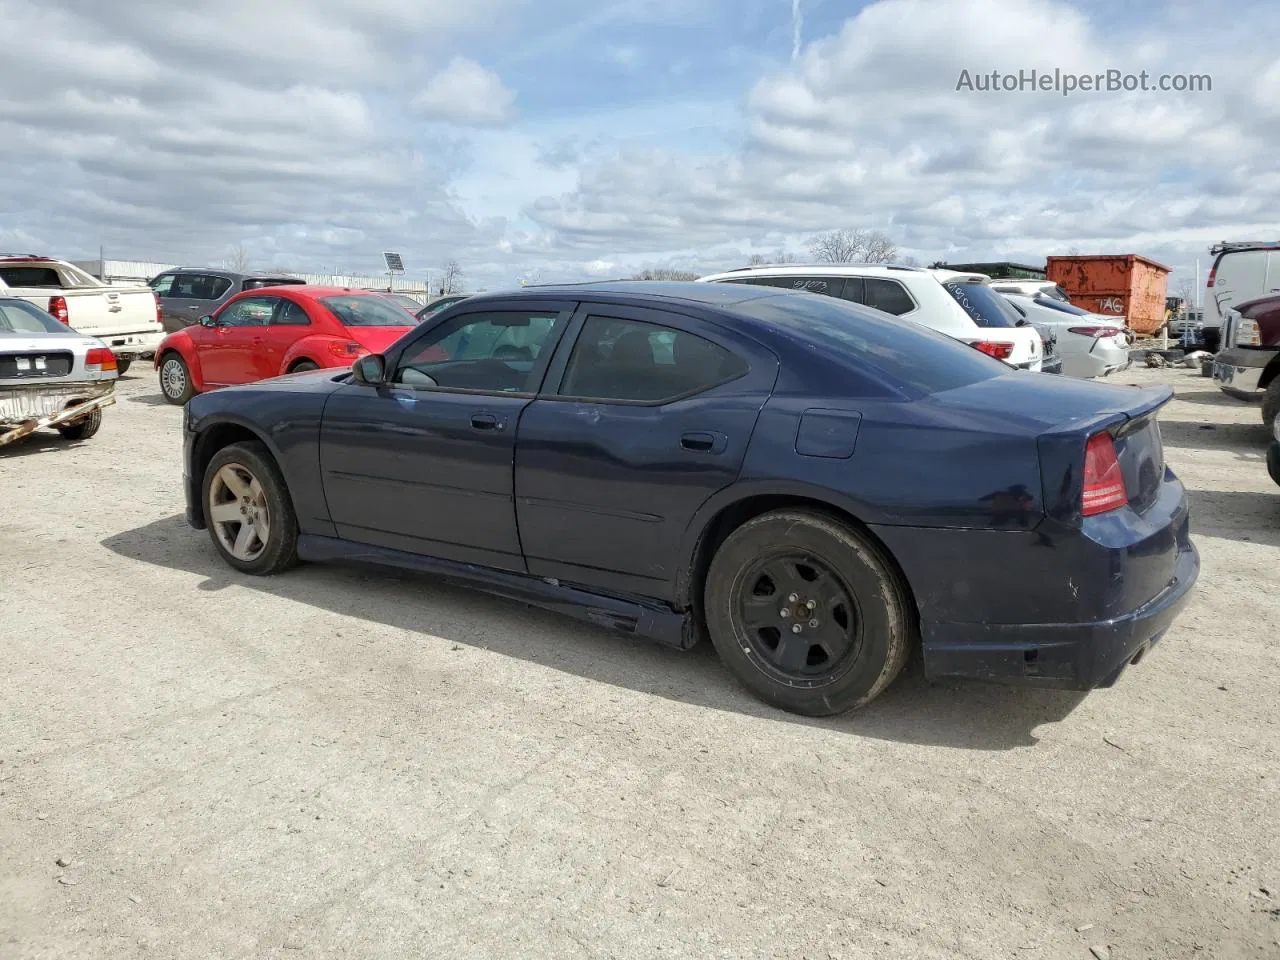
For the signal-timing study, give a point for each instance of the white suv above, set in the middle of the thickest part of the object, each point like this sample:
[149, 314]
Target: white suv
[961, 305]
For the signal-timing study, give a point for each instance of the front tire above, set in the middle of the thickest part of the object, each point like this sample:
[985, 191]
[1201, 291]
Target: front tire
[807, 612]
[304, 365]
[1271, 403]
[175, 379]
[248, 510]
[83, 429]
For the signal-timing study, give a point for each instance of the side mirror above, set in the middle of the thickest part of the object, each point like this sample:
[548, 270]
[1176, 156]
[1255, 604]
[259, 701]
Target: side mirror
[207, 322]
[370, 369]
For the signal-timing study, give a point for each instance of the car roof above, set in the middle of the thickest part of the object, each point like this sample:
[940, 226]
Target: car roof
[830, 269]
[687, 291]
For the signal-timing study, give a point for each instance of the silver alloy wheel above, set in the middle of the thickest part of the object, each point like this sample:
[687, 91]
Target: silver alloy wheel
[173, 378]
[238, 512]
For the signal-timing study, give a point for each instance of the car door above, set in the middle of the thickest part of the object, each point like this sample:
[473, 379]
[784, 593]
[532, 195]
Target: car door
[192, 296]
[162, 286]
[289, 324]
[646, 415]
[226, 357]
[423, 463]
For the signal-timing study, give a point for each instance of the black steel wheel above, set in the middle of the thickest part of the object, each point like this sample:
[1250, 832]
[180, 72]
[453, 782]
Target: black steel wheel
[807, 612]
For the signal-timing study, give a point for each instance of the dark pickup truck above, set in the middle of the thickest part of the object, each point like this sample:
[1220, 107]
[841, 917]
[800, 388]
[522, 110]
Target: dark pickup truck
[1248, 365]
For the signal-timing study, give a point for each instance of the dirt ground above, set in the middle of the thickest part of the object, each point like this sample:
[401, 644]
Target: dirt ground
[343, 763]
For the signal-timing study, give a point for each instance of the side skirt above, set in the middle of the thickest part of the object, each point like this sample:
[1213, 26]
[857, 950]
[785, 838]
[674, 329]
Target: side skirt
[630, 615]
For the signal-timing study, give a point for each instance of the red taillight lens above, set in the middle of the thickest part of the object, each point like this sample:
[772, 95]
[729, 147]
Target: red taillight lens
[1213, 273]
[346, 350]
[58, 310]
[1001, 351]
[101, 358]
[1104, 488]
[1095, 331]
[159, 311]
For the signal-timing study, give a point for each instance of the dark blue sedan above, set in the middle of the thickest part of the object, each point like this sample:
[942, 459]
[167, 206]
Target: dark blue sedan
[814, 485]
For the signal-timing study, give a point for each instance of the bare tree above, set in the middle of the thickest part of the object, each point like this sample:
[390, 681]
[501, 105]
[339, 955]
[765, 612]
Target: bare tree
[771, 259]
[665, 273]
[452, 280]
[238, 259]
[853, 246]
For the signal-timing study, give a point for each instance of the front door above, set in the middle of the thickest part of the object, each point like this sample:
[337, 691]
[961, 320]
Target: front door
[651, 416]
[424, 463]
[289, 324]
[226, 354]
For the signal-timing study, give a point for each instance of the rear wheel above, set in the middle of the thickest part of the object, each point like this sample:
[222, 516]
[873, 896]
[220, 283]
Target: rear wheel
[83, 429]
[248, 510]
[122, 366]
[303, 365]
[807, 612]
[1271, 402]
[175, 379]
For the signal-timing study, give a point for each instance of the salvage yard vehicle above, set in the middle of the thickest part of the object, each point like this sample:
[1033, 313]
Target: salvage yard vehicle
[1090, 344]
[812, 487]
[126, 319]
[1248, 365]
[438, 304]
[961, 305]
[277, 330]
[1273, 452]
[188, 293]
[1241, 273]
[50, 375]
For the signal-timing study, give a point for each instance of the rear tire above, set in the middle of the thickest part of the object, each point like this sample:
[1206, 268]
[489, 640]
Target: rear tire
[122, 366]
[303, 365]
[248, 510]
[802, 569]
[84, 429]
[175, 379]
[1271, 402]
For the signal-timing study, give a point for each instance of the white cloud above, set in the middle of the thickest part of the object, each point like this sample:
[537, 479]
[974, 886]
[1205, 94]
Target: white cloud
[467, 94]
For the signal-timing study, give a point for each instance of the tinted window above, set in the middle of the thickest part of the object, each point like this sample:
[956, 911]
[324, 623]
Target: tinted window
[493, 352]
[18, 316]
[257, 283]
[628, 360]
[30, 277]
[366, 311]
[290, 314]
[920, 359]
[1053, 304]
[854, 291]
[162, 284]
[887, 295]
[983, 305]
[249, 312]
[200, 286]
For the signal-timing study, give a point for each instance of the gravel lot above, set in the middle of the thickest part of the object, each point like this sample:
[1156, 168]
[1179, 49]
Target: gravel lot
[345, 763]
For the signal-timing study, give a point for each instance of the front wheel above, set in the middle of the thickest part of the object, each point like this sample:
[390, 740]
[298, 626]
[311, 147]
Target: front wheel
[175, 379]
[248, 510]
[1271, 403]
[807, 612]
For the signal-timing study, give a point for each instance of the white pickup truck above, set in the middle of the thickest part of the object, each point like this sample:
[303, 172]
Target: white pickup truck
[126, 319]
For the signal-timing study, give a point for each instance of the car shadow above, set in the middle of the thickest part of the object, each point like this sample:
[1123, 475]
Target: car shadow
[41, 441]
[1217, 436]
[969, 716]
[150, 399]
[1214, 398]
[1243, 516]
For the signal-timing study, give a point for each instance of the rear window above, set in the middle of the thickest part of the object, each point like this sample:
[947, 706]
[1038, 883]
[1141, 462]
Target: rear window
[31, 277]
[357, 311]
[920, 359]
[18, 316]
[986, 307]
[1052, 304]
[257, 283]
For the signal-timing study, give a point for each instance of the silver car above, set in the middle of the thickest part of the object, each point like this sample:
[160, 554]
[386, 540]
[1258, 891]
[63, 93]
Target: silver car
[50, 375]
[1090, 344]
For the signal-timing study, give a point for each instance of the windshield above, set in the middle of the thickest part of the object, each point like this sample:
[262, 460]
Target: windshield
[917, 357]
[1052, 304]
[986, 307]
[366, 311]
[18, 316]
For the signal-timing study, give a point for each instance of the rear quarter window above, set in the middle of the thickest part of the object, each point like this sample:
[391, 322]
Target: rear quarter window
[983, 305]
[920, 360]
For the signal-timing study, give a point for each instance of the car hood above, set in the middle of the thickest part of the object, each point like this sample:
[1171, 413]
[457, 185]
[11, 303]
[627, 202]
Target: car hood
[378, 339]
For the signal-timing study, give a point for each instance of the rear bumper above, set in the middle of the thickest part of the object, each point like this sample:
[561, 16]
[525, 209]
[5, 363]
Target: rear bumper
[1051, 365]
[1238, 372]
[1069, 656]
[135, 346]
[23, 412]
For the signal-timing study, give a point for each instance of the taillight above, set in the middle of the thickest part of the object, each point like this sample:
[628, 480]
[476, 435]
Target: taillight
[58, 310]
[100, 359]
[992, 348]
[1213, 273]
[346, 349]
[1103, 480]
[159, 311]
[1095, 331]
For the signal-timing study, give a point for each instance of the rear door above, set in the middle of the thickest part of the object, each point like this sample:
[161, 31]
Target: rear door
[289, 324]
[646, 414]
[192, 296]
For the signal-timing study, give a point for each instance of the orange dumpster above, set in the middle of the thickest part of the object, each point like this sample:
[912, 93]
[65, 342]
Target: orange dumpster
[1122, 286]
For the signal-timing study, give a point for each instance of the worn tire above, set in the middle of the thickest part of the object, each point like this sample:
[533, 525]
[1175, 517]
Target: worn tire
[83, 429]
[178, 376]
[304, 365]
[869, 577]
[122, 366]
[1271, 403]
[281, 548]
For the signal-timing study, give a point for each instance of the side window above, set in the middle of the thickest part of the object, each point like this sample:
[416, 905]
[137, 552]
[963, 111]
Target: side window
[290, 314]
[216, 287]
[162, 285]
[626, 360]
[249, 312]
[831, 286]
[492, 352]
[199, 286]
[854, 290]
[888, 295]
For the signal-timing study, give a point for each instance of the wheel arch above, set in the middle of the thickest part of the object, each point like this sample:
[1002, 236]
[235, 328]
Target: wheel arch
[213, 438]
[730, 509]
[1270, 372]
[311, 348]
[183, 348]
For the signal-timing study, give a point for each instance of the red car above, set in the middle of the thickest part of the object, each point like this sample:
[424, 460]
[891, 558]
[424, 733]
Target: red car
[271, 331]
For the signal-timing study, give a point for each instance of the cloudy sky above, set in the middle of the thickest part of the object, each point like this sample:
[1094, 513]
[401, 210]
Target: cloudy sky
[563, 139]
